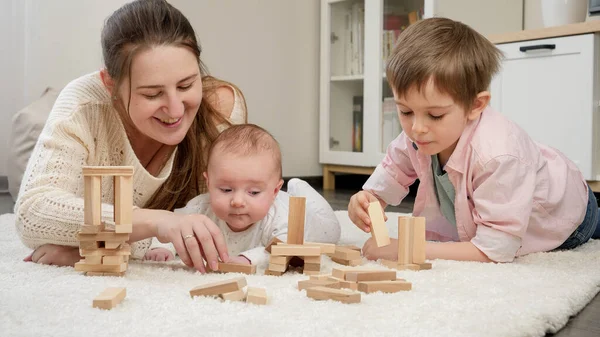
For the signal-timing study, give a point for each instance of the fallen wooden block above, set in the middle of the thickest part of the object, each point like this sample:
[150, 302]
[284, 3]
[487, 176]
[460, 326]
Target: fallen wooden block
[238, 295]
[384, 286]
[320, 277]
[346, 253]
[363, 276]
[218, 288]
[109, 298]
[226, 267]
[345, 284]
[305, 284]
[379, 231]
[340, 295]
[105, 268]
[256, 296]
[340, 272]
[273, 272]
[355, 262]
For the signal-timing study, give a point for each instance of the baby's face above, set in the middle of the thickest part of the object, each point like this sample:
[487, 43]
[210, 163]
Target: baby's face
[242, 187]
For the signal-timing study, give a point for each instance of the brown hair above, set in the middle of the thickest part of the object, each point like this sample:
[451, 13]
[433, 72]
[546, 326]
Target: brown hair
[247, 139]
[138, 26]
[459, 61]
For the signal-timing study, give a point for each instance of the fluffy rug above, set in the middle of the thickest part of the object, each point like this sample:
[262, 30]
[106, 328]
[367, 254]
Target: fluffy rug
[532, 296]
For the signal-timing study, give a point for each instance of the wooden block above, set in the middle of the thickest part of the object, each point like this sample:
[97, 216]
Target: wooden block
[404, 240]
[113, 244]
[424, 266]
[353, 247]
[95, 273]
[88, 245]
[356, 262]
[346, 253]
[105, 268]
[107, 171]
[379, 231]
[238, 295]
[273, 272]
[123, 251]
[93, 259]
[305, 284]
[256, 296]
[124, 228]
[221, 287]
[273, 241]
[90, 229]
[398, 266]
[384, 286]
[311, 272]
[363, 276]
[224, 267]
[278, 267]
[295, 250]
[123, 202]
[312, 266]
[345, 284]
[109, 298]
[296, 216]
[326, 248]
[340, 272]
[341, 295]
[104, 236]
[320, 277]
[418, 244]
[311, 259]
[279, 259]
[92, 201]
[112, 260]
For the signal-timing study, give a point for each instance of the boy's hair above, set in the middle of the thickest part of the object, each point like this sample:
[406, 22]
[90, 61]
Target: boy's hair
[247, 139]
[459, 61]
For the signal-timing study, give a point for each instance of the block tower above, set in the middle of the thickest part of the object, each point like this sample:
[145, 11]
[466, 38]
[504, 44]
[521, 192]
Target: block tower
[106, 252]
[411, 245]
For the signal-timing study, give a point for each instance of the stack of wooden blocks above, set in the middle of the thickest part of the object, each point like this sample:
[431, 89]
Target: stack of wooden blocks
[232, 290]
[106, 252]
[411, 245]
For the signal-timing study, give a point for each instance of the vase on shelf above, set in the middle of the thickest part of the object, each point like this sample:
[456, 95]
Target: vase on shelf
[563, 12]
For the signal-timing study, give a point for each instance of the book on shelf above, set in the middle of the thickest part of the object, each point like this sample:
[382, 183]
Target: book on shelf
[357, 124]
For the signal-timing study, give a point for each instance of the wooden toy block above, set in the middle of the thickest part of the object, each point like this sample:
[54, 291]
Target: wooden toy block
[124, 228]
[399, 266]
[296, 216]
[88, 245]
[363, 276]
[311, 259]
[256, 296]
[221, 287]
[93, 259]
[273, 242]
[345, 284]
[404, 240]
[123, 189]
[340, 272]
[278, 267]
[326, 248]
[312, 266]
[92, 201]
[112, 244]
[424, 266]
[320, 277]
[236, 268]
[346, 253]
[273, 273]
[125, 250]
[279, 259]
[107, 171]
[418, 238]
[105, 268]
[113, 260]
[356, 262]
[295, 250]
[310, 272]
[379, 231]
[103, 236]
[341, 295]
[384, 286]
[90, 229]
[96, 273]
[305, 284]
[238, 295]
[353, 247]
[109, 298]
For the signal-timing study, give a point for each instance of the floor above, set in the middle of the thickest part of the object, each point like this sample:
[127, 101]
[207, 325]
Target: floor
[585, 324]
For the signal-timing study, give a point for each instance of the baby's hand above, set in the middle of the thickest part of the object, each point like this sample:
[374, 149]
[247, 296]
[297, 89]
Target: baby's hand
[358, 210]
[239, 259]
[159, 254]
[372, 252]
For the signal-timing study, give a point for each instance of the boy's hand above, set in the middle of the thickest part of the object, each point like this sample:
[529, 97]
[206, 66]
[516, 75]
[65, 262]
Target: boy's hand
[358, 210]
[159, 254]
[239, 259]
[372, 252]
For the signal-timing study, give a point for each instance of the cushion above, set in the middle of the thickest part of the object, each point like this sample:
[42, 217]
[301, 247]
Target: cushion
[27, 124]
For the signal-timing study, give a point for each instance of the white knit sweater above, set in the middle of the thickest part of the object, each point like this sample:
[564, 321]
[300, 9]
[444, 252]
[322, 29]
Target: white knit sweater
[82, 129]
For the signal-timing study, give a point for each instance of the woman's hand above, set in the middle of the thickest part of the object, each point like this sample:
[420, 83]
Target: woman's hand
[358, 210]
[55, 255]
[195, 238]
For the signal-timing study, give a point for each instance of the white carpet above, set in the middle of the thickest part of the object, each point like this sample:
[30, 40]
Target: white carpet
[534, 295]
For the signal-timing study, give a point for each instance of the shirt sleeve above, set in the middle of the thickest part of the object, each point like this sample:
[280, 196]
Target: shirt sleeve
[168, 246]
[503, 198]
[393, 176]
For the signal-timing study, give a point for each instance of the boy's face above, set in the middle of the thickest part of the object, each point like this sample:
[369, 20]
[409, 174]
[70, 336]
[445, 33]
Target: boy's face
[242, 187]
[433, 120]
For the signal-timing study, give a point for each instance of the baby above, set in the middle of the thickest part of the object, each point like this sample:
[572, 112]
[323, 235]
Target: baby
[244, 199]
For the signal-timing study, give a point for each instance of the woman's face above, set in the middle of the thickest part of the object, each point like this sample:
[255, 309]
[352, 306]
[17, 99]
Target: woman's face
[166, 91]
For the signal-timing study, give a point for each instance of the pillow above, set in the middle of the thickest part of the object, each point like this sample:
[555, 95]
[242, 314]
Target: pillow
[27, 124]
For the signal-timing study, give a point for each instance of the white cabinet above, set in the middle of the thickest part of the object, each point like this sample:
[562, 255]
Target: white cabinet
[356, 123]
[549, 87]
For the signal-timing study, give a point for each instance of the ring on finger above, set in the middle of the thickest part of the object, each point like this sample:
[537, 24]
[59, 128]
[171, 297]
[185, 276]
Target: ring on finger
[188, 236]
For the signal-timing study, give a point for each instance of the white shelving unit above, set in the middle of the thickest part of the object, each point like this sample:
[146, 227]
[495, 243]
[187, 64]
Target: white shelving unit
[352, 79]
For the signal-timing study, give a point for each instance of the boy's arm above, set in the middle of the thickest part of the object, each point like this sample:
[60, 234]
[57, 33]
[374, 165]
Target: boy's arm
[459, 251]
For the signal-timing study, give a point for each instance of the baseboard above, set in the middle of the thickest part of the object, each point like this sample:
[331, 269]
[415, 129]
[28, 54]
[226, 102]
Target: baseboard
[3, 184]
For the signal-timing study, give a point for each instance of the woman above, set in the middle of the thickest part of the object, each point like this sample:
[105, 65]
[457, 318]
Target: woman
[152, 107]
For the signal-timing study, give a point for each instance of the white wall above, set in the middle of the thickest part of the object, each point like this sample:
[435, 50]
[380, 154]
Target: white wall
[269, 48]
[486, 16]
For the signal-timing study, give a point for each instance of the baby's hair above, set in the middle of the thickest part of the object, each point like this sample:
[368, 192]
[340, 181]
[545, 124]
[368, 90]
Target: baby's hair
[459, 60]
[247, 139]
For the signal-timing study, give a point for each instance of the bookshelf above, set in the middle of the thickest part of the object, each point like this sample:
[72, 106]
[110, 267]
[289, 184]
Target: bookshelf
[357, 119]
